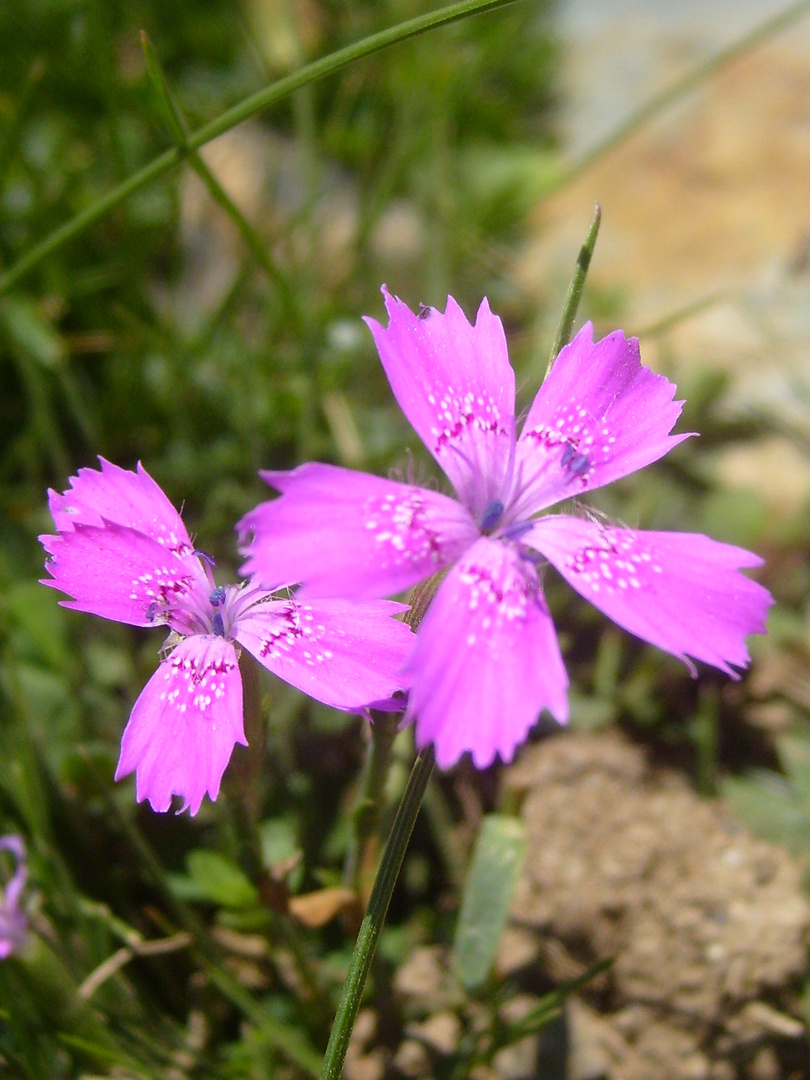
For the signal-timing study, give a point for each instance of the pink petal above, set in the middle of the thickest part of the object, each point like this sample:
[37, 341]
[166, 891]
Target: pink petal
[598, 416]
[344, 533]
[13, 923]
[115, 572]
[13, 930]
[454, 383]
[346, 653]
[185, 724]
[124, 498]
[680, 591]
[12, 893]
[486, 659]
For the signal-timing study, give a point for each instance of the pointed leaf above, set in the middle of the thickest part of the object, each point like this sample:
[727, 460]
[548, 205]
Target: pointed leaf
[496, 865]
[213, 878]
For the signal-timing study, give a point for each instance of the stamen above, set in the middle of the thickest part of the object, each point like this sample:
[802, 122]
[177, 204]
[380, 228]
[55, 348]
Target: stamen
[218, 624]
[157, 612]
[580, 464]
[577, 464]
[205, 557]
[492, 515]
[518, 529]
[217, 597]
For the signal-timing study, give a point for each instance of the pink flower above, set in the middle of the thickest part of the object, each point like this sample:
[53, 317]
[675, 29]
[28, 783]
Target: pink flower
[13, 924]
[486, 659]
[123, 552]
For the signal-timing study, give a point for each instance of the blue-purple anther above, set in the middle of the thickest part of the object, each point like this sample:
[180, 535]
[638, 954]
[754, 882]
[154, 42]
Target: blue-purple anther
[491, 516]
[577, 464]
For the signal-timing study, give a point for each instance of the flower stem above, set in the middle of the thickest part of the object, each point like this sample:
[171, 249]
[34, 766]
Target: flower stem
[569, 311]
[384, 728]
[369, 809]
[368, 937]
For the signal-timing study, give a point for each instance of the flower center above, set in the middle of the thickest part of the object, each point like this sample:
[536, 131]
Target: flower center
[491, 517]
[216, 599]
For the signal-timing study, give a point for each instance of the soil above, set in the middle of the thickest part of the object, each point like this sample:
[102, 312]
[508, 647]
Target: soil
[707, 926]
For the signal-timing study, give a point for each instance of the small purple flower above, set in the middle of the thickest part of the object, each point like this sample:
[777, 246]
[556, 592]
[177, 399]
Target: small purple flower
[486, 659]
[13, 924]
[123, 552]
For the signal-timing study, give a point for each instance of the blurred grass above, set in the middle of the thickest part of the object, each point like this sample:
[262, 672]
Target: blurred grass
[162, 335]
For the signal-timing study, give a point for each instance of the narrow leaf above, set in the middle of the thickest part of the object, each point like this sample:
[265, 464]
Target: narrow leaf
[575, 287]
[496, 864]
[169, 110]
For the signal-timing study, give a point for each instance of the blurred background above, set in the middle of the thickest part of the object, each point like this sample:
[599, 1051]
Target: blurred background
[211, 327]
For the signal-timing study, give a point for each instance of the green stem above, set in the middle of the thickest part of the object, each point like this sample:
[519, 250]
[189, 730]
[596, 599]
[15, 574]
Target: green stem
[385, 726]
[252, 105]
[368, 811]
[178, 128]
[574, 296]
[372, 924]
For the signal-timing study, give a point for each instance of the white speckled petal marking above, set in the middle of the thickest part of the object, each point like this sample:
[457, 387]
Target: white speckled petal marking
[347, 653]
[342, 533]
[184, 725]
[399, 524]
[454, 382]
[680, 591]
[486, 659]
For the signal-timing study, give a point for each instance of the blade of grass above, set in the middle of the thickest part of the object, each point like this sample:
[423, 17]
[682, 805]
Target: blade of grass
[176, 123]
[661, 101]
[569, 311]
[250, 106]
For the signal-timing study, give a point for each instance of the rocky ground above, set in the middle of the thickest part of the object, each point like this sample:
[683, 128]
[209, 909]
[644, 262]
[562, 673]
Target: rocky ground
[708, 926]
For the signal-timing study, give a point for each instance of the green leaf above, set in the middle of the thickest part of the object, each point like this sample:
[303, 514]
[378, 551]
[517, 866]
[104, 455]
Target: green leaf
[794, 752]
[216, 879]
[37, 625]
[496, 864]
[771, 807]
[31, 332]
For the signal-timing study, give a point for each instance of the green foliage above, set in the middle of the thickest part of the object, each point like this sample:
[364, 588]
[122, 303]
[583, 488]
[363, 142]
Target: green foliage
[487, 898]
[777, 805]
[215, 879]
